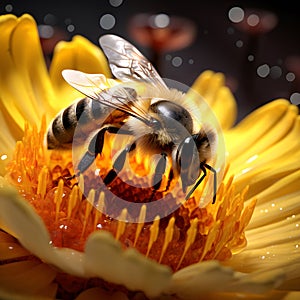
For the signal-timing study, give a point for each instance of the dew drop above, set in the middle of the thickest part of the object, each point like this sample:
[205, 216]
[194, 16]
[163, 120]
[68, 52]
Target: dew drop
[107, 21]
[3, 157]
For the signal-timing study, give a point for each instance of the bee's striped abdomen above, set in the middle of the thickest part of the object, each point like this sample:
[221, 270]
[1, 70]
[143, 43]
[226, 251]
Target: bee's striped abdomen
[61, 129]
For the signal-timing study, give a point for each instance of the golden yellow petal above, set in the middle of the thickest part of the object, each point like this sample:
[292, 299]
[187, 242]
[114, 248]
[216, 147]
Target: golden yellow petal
[7, 144]
[24, 81]
[250, 146]
[274, 230]
[274, 156]
[79, 54]
[243, 137]
[212, 87]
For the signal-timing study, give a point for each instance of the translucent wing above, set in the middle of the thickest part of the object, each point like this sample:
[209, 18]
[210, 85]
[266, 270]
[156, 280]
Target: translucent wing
[120, 97]
[127, 63]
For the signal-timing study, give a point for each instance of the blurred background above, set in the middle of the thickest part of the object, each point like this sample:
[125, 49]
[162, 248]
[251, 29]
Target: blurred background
[256, 44]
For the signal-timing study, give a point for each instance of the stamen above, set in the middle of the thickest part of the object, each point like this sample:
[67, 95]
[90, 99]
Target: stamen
[140, 224]
[42, 182]
[154, 229]
[168, 237]
[88, 210]
[73, 200]
[121, 224]
[188, 235]
[191, 236]
[58, 196]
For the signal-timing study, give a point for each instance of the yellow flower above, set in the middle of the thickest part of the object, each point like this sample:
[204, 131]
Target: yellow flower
[49, 245]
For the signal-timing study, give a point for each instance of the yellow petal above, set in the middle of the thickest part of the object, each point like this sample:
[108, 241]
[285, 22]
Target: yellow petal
[211, 86]
[259, 132]
[25, 88]
[79, 54]
[278, 157]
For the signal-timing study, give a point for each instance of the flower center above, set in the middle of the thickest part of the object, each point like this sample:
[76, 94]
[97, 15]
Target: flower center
[187, 235]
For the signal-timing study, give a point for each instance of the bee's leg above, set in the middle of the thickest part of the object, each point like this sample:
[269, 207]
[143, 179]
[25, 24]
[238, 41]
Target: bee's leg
[203, 167]
[185, 160]
[118, 164]
[210, 168]
[197, 183]
[96, 146]
[159, 172]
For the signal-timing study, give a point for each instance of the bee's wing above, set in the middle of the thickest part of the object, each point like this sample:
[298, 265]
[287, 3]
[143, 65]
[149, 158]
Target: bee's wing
[120, 97]
[127, 63]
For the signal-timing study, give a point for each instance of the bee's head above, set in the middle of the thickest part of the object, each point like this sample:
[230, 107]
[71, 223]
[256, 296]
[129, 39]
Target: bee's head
[170, 115]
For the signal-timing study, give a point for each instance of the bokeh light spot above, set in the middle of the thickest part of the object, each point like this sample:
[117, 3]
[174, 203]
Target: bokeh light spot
[251, 57]
[253, 20]
[161, 20]
[295, 98]
[8, 7]
[168, 57]
[263, 70]
[50, 19]
[45, 31]
[290, 76]
[177, 61]
[107, 21]
[275, 72]
[230, 30]
[115, 3]
[236, 14]
[71, 28]
[239, 43]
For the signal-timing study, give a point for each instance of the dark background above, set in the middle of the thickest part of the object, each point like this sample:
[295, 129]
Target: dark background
[215, 46]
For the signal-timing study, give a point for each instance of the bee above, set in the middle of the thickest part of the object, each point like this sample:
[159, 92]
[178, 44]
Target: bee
[160, 119]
